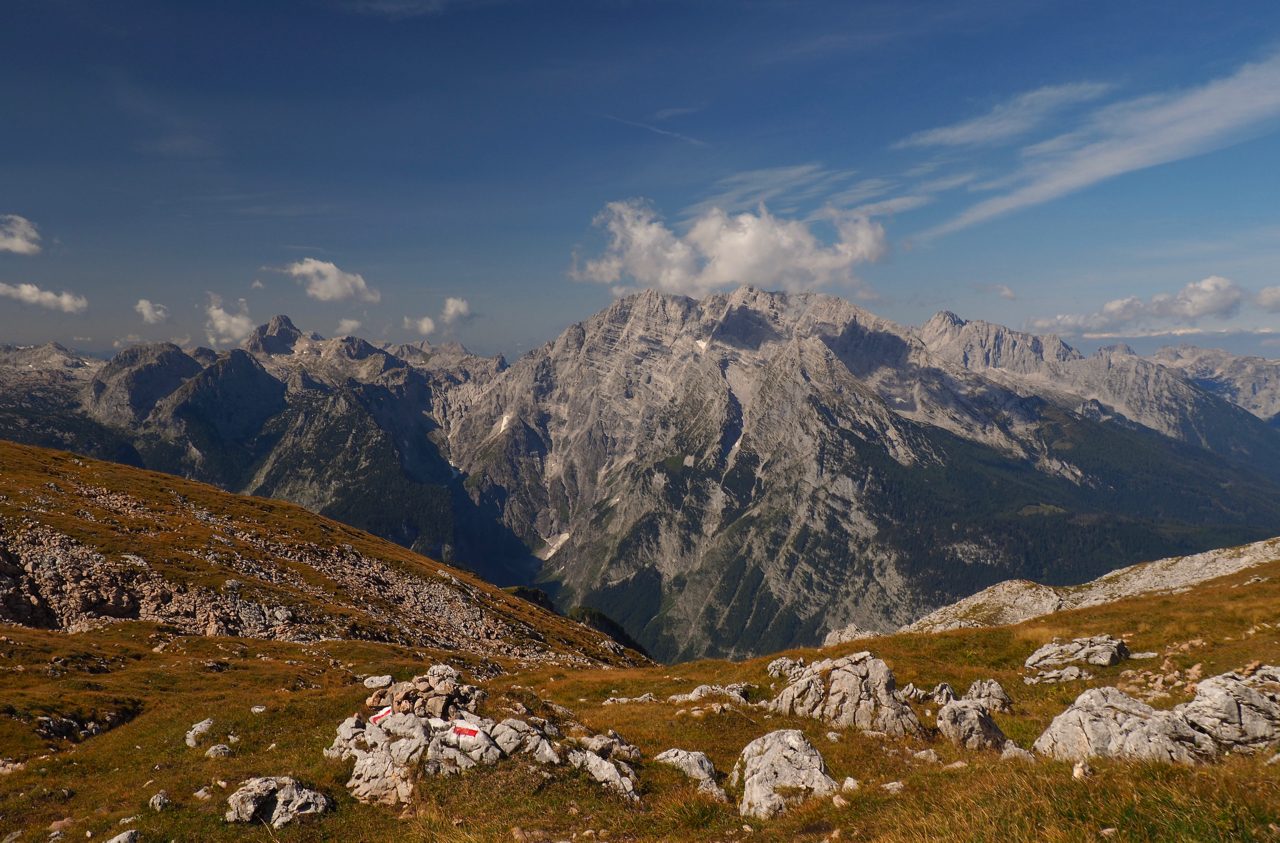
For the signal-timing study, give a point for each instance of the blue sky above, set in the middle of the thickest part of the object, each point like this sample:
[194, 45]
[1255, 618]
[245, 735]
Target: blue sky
[490, 172]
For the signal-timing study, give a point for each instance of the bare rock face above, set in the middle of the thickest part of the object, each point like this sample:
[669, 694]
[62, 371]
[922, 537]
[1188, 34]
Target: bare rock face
[1106, 722]
[786, 668]
[1102, 650]
[1240, 713]
[848, 634]
[732, 692]
[777, 771]
[274, 800]
[615, 776]
[854, 691]
[697, 766]
[990, 694]
[968, 724]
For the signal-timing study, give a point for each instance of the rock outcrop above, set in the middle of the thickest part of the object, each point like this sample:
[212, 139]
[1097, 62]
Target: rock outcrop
[779, 770]
[855, 691]
[697, 766]
[968, 724]
[1101, 650]
[276, 801]
[990, 694]
[1108, 723]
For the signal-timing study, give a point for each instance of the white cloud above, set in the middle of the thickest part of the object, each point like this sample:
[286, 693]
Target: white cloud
[720, 251]
[152, 314]
[18, 235]
[1268, 299]
[224, 327]
[423, 326]
[326, 282]
[455, 310]
[784, 186]
[1009, 119]
[1214, 296]
[31, 294]
[1136, 134]
[347, 327]
[257, 285]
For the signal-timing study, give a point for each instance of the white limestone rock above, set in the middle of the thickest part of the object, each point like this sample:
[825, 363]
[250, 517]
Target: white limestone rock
[1102, 650]
[697, 766]
[1240, 713]
[991, 694]
[620, 779]
[855, 691]
[197, 731]
[968, 724]
[1108, 723]
[274, 800]
[782, 760]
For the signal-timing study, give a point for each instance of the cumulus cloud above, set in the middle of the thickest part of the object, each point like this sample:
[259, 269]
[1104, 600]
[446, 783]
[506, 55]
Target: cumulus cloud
[18, 235]
[31, 294]
[257, 285]
[720, 250]
[1009, 119]
[1268, 299]
[326, 282]
[1136, 134]
[348, 326]
[455, 310]
[152, 314]
[1214, 296]
[423, 326]
[224, 327]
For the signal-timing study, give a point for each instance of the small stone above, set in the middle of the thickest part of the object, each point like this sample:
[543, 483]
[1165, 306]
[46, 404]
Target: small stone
[518, 835]
[160, 801]
[956, 765]
[1107, 832]
[1081, 770]
[839, 801]
[218, 750]
[927, 755]
[893, 787]
[375, 683]
[850, 785]
[130, 836]
[834, 737]
[259, 709]
[203, 794]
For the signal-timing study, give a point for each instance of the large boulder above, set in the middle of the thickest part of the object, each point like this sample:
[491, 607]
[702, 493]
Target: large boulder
[697, 766]
[856, 690]
[968, 724]
[991, 694]
[274, 800]
[779, 770]
[1102, 650]
[616, 776]
[1240, 713]
[1106, 722]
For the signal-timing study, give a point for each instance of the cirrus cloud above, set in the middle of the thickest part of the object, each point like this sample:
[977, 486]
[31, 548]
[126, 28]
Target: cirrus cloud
[18, 235]
[721, 250]
[31, 294]
[324, 281]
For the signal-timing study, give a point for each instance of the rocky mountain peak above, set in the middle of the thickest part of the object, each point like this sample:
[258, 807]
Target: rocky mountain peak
[278, 336]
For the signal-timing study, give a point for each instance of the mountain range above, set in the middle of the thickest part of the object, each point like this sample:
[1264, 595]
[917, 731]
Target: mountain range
[725, 477]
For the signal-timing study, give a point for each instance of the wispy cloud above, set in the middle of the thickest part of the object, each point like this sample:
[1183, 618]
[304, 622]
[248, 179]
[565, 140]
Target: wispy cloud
[1000, 290]
[31, 294]
[18, 235]
[423, 326]
[782, 186]
[720, 251]
[455, 310]
[1214, 296]
[346, 327]
[1009, 119]
[1137, 134]
[656, 130]
[668, 113]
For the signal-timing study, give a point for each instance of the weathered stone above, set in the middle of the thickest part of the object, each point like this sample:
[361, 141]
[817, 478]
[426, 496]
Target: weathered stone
[990, 693]
[274, 800]
[856, 690]
[847, 635]
[1102, 650]
[1106, 722]
[218, 750]
[1013, 752]
[785, 668]
[643, 698]
[778, 770]
[197, 731]
[733, 692]
[697, 766]
[130, 836]
[619, 779]
[375, 683]
[1239, 713]
[942, 694]
[160, 801]
[612, 745]
[968, 724]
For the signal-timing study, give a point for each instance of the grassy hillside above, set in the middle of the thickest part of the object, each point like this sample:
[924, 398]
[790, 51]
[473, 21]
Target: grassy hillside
[309, 688]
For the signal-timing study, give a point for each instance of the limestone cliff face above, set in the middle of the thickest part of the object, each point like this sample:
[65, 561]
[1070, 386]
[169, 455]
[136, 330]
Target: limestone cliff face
[726, 476]
[742, 473]
[1250, 382]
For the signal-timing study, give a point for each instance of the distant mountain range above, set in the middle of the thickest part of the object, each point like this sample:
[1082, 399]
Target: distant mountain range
[725, 477]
